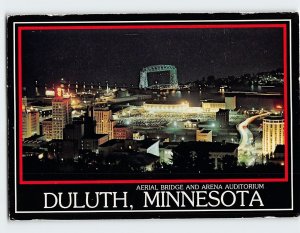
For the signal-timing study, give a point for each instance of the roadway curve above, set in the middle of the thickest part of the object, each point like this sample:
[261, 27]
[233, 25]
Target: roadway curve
[247, 136]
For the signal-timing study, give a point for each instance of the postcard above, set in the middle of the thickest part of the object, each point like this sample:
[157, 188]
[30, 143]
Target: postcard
[153, 116]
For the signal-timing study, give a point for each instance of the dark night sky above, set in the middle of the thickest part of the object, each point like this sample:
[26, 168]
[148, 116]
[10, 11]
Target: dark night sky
[119, 55]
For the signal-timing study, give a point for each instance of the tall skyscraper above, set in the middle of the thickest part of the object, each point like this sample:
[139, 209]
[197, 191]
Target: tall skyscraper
[30, 122]
[273, 133]
[104, 122]
[47, 129]
[61, 115]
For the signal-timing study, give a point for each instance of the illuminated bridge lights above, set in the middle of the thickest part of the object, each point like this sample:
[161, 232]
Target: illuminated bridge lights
[158, 68]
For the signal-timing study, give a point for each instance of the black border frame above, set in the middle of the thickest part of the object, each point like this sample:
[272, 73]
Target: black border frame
[137, 17]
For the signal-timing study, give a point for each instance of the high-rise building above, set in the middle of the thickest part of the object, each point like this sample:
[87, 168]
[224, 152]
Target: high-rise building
[91, 139]
[104, 122]
[61, 116]
[273, 133]
[30, 122]
[44, 111]
[47, 129]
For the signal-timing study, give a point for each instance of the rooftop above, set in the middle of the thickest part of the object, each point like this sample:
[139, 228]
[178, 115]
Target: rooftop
[205, 131]
[192, 120]
[165, 102]
[223, 110]
[60, 99]
[218, 100]
[274, 117]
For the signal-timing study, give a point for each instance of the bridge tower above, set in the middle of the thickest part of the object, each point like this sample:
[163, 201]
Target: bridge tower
[158, 68]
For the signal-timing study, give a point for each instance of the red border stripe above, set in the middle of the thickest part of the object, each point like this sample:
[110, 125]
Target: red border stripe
[20, 103]
[286, 125]
[246, 180]
[152, 26]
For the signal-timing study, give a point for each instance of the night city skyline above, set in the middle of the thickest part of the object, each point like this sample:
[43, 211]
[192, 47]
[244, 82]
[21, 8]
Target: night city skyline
[153, 115]
[119, 55]
[186, 102]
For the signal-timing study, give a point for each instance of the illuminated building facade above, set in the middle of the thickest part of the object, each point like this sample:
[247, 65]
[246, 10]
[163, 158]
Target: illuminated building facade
[191, 124]
[203, 135]
[61, 116]
[24, 102]
[30, 122]
[50, 93]
[44, 111]
[104, 123]
[212, 106]
[137, 136]
[122, 132]
[166, 106]
[47, 129]
[229, 103]
[273, 133]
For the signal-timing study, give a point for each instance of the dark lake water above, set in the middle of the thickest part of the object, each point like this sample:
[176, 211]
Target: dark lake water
[243, 101]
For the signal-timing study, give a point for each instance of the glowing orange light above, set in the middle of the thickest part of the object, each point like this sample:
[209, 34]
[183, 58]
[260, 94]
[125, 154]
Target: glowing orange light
[58, 91]
[278, 106]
